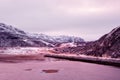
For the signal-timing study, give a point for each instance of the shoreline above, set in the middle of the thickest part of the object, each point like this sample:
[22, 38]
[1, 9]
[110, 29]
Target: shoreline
[72, 57]
[20, 58]
[89, 59]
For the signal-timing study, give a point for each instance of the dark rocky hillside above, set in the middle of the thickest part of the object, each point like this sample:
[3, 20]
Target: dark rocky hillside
[107, 46]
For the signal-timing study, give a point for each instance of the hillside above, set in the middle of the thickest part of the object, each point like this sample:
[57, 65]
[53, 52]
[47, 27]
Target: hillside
[107, 46]
[13, 37]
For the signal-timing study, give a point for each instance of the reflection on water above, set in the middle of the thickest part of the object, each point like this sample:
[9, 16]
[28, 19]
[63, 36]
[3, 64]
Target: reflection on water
[28, 69]
[53, 59]
[24, 58]
[50, 71]
[17, 55]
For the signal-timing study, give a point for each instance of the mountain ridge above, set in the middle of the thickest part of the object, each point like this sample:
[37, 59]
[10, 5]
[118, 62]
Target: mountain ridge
[13, 37]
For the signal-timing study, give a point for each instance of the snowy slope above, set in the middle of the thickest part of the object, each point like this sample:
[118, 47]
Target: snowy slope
[57, 39]
[12, 37]
[9, 28]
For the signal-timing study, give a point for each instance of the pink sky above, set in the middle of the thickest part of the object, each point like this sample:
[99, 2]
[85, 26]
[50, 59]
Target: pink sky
[88, 19]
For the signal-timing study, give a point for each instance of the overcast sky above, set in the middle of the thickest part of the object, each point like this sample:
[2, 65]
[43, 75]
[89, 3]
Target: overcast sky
[88, 19]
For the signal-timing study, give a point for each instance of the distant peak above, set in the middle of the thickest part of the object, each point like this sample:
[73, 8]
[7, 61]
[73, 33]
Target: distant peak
[117, 29]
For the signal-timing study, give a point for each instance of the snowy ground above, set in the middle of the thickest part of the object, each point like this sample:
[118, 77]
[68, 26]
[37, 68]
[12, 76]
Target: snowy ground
[36, 53]
[23, 50]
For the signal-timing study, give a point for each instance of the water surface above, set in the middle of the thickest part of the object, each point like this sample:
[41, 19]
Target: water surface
[56, 69]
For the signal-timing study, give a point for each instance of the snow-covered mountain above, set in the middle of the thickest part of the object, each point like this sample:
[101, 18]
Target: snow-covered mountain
[10, 29]
[12, 37]
[56, 39]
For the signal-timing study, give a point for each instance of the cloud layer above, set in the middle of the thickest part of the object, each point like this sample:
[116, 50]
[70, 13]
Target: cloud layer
[85, 18]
